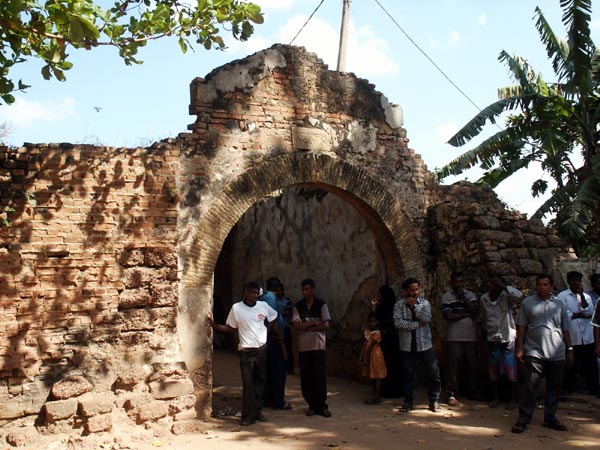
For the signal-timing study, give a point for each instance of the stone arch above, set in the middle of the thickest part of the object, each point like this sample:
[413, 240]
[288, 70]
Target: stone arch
[382, 211]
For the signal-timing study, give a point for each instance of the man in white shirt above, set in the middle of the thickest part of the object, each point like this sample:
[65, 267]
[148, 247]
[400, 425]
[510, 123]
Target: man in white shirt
[250, 319]
[580, 309]
[497, 305]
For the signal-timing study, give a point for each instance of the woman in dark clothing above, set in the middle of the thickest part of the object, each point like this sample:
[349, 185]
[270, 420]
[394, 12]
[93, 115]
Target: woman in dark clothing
[391, 386]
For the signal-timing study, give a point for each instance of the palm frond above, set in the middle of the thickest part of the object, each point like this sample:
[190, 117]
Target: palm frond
[520, 69]
[556, 49]
[578, 213]
[576, 17]
[499, 174]
[489, 113]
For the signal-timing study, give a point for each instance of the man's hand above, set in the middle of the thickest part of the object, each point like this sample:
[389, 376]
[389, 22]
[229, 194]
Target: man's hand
[520, 354]
[570, 357]
[211, 320]
[411, 301]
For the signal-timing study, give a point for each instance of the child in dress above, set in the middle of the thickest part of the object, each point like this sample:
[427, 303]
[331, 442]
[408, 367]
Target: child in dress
[371, 360]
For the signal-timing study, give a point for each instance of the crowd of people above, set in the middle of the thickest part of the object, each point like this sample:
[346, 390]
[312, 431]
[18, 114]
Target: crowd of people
[556, 337]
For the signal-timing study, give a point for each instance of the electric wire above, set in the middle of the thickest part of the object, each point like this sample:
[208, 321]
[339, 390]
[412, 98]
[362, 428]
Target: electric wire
[306, 23]
[439, 69]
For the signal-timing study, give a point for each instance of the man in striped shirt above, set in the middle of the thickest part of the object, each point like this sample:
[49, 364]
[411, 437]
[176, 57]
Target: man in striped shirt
[412, 315]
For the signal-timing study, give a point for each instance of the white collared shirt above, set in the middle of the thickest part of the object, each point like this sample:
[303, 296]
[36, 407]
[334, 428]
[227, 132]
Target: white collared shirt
[581, 328]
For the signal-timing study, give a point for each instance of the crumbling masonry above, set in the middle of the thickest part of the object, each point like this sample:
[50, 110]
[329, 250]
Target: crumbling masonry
[107, 255]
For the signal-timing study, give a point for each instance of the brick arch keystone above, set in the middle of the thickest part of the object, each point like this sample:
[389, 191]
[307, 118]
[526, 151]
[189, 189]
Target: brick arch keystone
[382, 210]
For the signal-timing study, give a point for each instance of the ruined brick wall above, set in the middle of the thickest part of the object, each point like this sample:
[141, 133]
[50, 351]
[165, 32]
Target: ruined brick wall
[88, 266]
[472, 231]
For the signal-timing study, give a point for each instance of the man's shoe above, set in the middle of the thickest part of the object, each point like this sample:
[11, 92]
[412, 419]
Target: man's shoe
[555, 425]
[518, 427]
[453, 402]
[434, 407]
[261, 418]
[246, 422]
[326, 413]
[310, 412]
[406, 407]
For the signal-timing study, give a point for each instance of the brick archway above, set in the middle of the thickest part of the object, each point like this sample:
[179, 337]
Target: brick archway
[382, 211]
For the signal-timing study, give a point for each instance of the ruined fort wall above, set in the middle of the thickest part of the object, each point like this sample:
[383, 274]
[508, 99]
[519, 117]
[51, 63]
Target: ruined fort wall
[88, 266]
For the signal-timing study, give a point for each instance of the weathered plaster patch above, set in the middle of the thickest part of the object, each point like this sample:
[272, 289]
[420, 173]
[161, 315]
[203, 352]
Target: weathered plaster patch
[363, 138]
[394, 116]
[237, 76]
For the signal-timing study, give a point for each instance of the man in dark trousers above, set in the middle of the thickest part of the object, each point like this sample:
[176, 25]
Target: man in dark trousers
[311, 319]
[250, 318]
[543, 342]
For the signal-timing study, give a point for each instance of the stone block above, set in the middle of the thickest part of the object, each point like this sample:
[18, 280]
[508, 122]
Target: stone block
[147, 319]
[186, 415]
[171, 388]
[134, 298]
[132, 257]
[135, 402]
[96, 424]
[160, 257]
[153, 411]
[20, 439]
[94, 403]
[164, 295]
[128, 381]
[188, 426]
[70, 386]
[60, 409]
[528, 266]
[182, 403]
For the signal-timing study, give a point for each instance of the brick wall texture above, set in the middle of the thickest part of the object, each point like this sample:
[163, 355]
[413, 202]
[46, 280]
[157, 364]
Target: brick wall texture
[107, 254]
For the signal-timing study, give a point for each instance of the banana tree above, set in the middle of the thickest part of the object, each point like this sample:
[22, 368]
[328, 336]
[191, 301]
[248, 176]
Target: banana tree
[554, 123]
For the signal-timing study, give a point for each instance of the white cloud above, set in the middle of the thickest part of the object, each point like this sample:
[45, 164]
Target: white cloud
[366, 54]
[482, 21]
[23, 113]
[454, 38]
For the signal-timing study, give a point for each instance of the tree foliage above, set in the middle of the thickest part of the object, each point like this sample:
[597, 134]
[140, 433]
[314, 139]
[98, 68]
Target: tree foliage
[50, 29]
[555, 124]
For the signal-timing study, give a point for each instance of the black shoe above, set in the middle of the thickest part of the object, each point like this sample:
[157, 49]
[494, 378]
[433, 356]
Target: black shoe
[246, 422]
[434, 407]
[519, 427]
[326, 413]
[310, 412]
[261, 418]
[555, 425]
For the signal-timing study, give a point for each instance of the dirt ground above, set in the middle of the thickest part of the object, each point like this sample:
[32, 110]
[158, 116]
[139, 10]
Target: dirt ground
[354, 425]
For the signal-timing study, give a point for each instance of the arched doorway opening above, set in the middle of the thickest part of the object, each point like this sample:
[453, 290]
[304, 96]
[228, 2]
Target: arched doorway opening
[395, 237]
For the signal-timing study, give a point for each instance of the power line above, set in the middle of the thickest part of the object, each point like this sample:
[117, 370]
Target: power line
[428, 57]
[306, 23]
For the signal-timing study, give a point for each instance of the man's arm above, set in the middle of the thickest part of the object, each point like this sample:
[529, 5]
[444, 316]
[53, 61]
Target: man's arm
[400, 322]
[218, 327]
[520, 344]
[570, 356]
[597, 339]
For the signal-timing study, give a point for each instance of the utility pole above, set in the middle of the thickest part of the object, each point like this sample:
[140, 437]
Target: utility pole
[341, 63]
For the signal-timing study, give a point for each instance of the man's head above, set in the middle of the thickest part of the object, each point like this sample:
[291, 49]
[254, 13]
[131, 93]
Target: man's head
[412, 287]
[457, 281]
[495, 284]
[251, 293]
[273, 284]
[308, 289]
[544, 284]
[595, 282]
[575, 281]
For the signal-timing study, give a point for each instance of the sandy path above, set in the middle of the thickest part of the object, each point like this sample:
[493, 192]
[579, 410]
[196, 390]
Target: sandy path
[353, 425]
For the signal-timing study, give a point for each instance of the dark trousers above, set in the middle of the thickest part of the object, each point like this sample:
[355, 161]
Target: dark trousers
[462, 358]
[313, 381]
[287, 338]
[431, 372]
[587, 365]
[274, 395]
[252, 365]
[535, 369]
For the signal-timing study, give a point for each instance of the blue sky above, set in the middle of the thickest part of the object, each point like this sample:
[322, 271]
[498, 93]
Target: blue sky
[105, 102]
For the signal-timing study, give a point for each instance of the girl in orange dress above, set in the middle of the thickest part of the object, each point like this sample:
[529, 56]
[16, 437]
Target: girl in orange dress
[371, 360]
